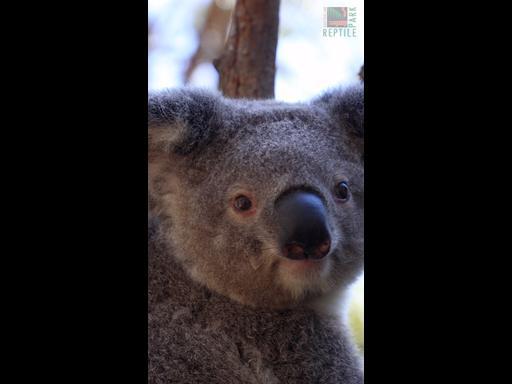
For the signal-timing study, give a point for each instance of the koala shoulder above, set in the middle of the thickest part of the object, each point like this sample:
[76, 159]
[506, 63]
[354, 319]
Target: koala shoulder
[183, 351]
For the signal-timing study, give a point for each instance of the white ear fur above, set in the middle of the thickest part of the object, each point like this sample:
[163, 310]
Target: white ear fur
[162, 138]
[346, 106]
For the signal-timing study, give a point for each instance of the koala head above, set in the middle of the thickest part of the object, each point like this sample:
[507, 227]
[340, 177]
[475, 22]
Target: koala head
[260, 201]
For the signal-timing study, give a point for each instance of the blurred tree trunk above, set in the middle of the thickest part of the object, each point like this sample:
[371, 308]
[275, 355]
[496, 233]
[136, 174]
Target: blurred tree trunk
[247, 65]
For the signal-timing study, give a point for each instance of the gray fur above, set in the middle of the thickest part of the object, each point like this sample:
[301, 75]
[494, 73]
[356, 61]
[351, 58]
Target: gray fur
[224, 306]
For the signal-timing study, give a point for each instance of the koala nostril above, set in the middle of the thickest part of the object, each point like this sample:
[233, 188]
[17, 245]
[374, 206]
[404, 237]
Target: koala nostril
[294, 251]
[325, 247]
[319, 251]
[297, 251]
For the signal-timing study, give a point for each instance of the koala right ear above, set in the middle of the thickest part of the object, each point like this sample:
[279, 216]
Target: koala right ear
[346, 108]
[180, 121]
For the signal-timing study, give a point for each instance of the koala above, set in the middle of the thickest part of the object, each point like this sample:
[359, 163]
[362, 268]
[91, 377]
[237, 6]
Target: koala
[255, 233]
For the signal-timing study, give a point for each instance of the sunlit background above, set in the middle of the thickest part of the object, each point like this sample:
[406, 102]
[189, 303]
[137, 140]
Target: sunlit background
[307, 63]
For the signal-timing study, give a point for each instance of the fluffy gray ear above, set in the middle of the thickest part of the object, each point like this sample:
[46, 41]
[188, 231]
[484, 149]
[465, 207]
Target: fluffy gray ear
[346, 108]
[180, 121]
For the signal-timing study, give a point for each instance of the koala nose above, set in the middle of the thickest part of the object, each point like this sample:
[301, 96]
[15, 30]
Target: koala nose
[302, 220]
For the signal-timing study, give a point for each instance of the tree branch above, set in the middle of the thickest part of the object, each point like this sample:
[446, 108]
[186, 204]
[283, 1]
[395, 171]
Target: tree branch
[211, 38]
[248, 64]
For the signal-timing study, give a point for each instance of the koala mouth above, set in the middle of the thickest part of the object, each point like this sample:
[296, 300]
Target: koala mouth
[304, 265]
[304, 273]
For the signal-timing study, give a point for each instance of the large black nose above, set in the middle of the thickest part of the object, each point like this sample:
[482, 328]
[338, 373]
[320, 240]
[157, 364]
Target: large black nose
[302, 221]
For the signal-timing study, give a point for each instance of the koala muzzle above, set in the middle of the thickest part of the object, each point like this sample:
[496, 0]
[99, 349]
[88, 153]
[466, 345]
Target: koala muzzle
[302, 220]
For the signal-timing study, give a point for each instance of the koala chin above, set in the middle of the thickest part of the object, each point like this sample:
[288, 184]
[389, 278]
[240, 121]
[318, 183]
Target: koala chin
[256, 230]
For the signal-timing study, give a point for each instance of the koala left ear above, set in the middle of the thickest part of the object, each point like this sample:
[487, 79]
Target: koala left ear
[346, 107]
[180, 121]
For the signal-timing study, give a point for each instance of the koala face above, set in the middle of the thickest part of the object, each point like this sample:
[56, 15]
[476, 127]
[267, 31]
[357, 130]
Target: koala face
[260, 201]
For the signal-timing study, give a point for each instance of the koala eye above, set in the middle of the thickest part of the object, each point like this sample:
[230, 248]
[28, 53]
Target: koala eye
[242, 203]
[342, 191]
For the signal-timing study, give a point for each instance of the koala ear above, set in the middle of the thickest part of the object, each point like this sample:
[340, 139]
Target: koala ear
[180, 121]
[346, 108]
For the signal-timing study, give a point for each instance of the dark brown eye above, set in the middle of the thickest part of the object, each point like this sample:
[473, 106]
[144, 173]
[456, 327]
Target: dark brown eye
[242, 203]
[342, 191]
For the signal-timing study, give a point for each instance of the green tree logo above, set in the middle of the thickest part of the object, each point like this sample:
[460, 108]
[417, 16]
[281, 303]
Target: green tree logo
[336, 17]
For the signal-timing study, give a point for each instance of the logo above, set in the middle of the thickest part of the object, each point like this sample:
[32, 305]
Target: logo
[339, 22]
[335, 17]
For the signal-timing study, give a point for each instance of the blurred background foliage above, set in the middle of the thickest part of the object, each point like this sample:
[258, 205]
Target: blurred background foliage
[307, 62]
[184, 37]
[356, 312]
